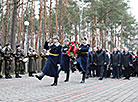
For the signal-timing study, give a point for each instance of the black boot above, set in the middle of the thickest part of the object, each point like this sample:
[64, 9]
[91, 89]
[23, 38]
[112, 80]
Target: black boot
[31, 74]
[22, 72]
[1, 76]
[39, 77]
[8, 76]
[55, 82]
[18, 76]
[67, 77]
[100, 78]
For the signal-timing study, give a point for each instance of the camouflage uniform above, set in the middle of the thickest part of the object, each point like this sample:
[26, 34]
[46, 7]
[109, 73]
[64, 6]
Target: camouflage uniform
[22, 68]
[8, 57]
[18, 61]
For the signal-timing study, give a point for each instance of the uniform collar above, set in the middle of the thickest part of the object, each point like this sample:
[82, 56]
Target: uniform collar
[57, 44]
[84, 44]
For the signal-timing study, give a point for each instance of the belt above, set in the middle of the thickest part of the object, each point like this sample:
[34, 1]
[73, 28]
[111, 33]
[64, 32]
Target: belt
[54, 54]
[31, 58]
[64, 53]
[84, 52]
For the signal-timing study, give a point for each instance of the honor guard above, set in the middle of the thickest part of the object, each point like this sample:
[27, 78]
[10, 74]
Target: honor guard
[83, 59]
[18, 61]
[52, 64]
[8, 57]
[1, 59]
[65, 60]
[44, 57]
[32, 62]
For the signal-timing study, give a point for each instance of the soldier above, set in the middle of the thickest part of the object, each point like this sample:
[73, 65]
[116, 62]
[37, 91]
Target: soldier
[126, 63]
[115, 63]
[36, 56]
[18, 61]
[100, 62]
[83, 59]
[32, 62]
[44, 57]
[53, 61]
[8, 57]
[65, 60]
[1, 60]
[22, 70]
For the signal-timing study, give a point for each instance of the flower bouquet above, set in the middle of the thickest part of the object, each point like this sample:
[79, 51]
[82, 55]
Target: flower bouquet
[73, 49]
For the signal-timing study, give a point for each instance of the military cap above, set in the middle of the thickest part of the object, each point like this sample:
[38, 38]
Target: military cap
[18, 46]
[30, 48]
[66, 40]
[56, 37]
[44, 49]
[84, 38]
[7, 44]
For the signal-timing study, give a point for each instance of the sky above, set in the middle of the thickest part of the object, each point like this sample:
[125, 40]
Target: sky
[134, 8]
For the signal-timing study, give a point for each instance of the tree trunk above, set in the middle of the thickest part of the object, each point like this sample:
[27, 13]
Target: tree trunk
[56, 17]
[18, 25]
[2, 23]
[97, 41]
[75, 32]
[93, 38]
[32, 25]
[93, 34]
[115, 37]
[14, 25]
[39, 27]
[10, 23]
[7, 20]
[45, 25]
[106, 31]
[63, 18]
[112, 39]
[49, 21]
[121, 34]
[22, 25]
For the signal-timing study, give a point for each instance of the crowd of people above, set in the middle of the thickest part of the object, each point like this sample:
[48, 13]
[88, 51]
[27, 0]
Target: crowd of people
[96, 62]
[8, 57]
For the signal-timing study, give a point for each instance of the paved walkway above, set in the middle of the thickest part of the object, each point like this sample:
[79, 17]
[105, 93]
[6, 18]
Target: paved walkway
[32, 90]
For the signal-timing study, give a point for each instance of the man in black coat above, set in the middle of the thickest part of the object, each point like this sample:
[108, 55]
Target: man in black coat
[92, 67]
[121, 71]
[100, 62]
[115, 63]
[136, 64]
[126, 63]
